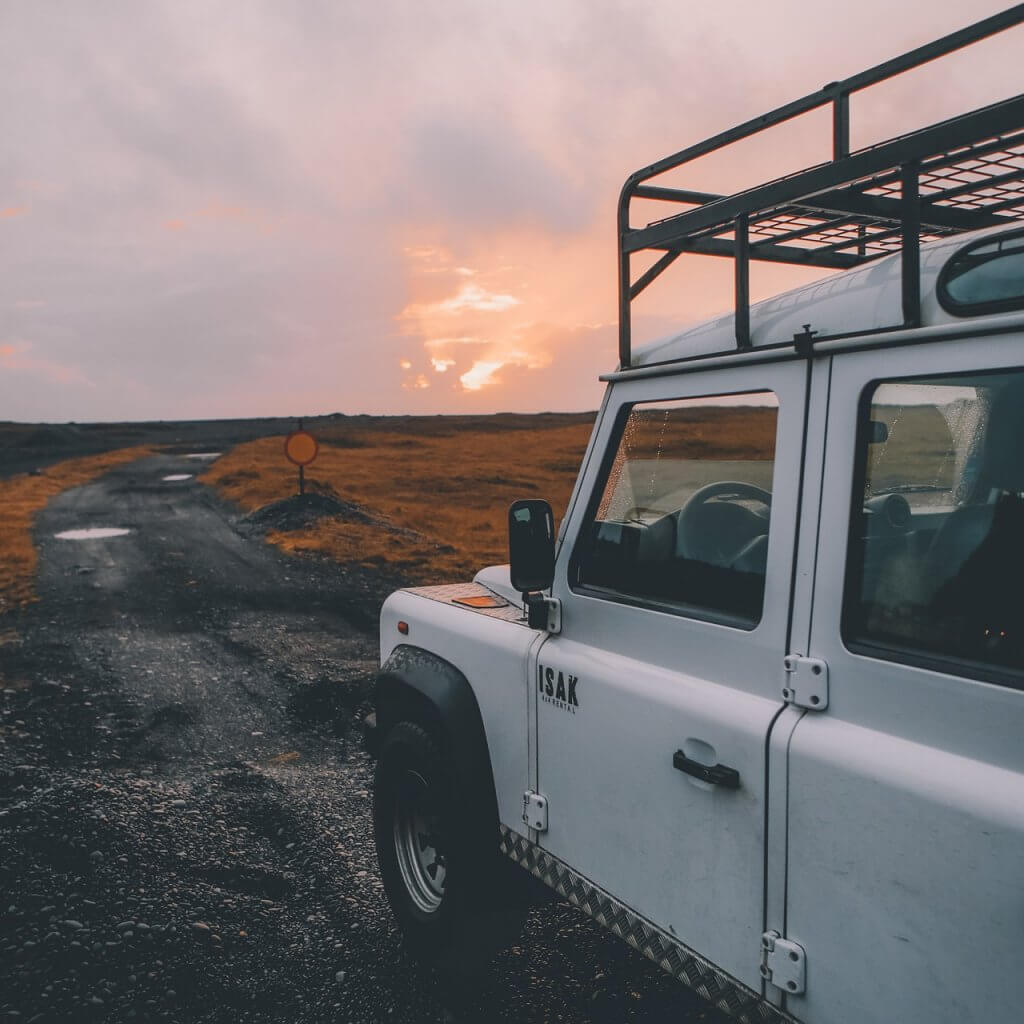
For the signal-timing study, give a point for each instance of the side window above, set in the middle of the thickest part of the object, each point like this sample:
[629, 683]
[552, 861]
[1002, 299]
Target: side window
[936, 558]
[985, 277]
[681, 516]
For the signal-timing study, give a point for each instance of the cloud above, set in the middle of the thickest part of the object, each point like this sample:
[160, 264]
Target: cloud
[472, 296]
[482, 171]
[250, 207]
[481, 373]
[461, 340]
[16, 356]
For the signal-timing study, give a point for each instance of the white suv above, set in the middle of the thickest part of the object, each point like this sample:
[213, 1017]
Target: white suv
[759, 707]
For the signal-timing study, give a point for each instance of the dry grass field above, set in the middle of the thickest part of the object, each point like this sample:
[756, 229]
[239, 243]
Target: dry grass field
[427, 496]
[432, 494]
[21, 497]
[432, 500]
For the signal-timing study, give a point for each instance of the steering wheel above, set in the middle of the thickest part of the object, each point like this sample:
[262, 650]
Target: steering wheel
[703, 539]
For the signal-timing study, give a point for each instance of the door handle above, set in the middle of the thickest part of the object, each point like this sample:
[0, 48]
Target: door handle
[717, 775]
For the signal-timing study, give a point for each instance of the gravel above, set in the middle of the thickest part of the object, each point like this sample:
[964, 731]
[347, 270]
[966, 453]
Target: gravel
[185, 801]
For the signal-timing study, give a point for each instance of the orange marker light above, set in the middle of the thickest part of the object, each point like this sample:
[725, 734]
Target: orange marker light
[483, 601]
[403, 628]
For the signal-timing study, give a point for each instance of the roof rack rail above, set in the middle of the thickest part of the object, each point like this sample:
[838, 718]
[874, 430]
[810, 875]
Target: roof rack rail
[951, 177]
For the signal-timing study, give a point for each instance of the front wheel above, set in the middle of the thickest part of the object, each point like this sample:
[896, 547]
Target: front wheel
[442, 871]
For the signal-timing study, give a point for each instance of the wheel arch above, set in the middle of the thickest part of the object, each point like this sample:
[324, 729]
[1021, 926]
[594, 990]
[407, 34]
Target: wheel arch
[421, 686]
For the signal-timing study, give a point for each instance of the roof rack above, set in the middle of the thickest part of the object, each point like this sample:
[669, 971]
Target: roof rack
[955, 176]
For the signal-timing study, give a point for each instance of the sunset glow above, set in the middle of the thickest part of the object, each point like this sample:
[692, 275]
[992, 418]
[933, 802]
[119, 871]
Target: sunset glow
[281, 210]
[479, 375]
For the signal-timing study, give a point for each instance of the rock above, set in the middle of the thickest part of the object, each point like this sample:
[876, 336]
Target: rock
[339, 977]
[75, 926]
[201, 926]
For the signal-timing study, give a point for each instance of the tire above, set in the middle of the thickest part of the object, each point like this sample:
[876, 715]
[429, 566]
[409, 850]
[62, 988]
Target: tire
[443, 874]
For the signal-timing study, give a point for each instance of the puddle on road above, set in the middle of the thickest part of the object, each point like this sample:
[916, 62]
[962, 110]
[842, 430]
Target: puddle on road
[175, 477]
[92, 533]
[204, 455]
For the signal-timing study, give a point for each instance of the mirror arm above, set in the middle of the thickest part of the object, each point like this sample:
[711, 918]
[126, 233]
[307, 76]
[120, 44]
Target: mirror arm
[536, 610]
[543, 612]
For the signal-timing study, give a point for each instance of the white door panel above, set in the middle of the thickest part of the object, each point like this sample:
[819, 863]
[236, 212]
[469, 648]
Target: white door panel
[683, 853]
[906, 797]
[906, 879]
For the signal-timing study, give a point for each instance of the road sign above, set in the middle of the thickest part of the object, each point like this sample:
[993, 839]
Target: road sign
[300, 447]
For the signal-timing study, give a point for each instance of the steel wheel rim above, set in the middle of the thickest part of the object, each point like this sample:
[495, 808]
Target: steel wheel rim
[418, 843]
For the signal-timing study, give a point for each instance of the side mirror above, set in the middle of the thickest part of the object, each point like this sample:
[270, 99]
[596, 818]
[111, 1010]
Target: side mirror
[878, 432]
[531, 545]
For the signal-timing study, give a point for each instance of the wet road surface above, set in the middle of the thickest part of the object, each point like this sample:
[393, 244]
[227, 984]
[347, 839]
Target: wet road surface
[185, 802]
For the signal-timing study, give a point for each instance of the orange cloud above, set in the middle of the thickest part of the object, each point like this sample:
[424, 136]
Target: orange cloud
[473, 297]
[13, 211]
[499, 305]
[480, 375]
[16, 356]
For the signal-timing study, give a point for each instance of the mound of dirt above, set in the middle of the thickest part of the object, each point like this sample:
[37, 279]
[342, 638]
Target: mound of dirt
[302, 510]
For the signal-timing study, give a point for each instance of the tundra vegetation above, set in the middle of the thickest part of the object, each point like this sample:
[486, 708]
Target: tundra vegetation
[425, 497]
[426, 502]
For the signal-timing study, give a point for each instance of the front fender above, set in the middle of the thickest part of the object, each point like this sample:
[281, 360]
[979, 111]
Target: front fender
[419, 685]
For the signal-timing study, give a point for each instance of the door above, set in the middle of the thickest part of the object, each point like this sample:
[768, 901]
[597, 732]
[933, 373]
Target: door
[675, 582]
[906, 796]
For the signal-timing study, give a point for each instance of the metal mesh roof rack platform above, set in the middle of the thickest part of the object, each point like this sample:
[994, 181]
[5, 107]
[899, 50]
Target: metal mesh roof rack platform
[951, 177]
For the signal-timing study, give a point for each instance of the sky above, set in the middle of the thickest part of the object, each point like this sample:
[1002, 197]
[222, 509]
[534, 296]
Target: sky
[245, 208]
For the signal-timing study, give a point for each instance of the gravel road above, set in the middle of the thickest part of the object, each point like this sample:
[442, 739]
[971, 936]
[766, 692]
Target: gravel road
[185, 802]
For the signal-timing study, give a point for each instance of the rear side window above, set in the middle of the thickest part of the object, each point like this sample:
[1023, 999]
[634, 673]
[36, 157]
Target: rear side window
[937, 552]
[680, 519]
[987, 277]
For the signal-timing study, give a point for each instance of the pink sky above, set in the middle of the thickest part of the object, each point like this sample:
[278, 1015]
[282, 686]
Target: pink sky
[259, 208]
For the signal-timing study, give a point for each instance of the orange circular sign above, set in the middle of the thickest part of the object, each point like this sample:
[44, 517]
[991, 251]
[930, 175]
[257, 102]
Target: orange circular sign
[300, 447]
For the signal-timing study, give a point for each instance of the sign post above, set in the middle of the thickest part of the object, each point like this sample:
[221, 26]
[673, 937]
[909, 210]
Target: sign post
[301, 448]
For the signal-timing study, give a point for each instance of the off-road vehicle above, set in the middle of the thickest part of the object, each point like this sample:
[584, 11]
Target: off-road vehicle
[758, 707]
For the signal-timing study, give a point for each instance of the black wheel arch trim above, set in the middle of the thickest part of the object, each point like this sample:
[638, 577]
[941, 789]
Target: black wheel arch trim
[419, 685]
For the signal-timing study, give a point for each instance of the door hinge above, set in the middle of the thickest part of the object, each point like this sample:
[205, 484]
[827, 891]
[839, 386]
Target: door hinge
[783, 963]
[535, 810]
[544, 613]
[806, 682]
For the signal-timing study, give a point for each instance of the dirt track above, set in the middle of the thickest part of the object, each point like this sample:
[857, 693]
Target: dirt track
[184, 799]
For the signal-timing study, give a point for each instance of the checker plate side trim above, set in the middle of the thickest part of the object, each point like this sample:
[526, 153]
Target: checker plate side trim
[728, 994]
[446, 593]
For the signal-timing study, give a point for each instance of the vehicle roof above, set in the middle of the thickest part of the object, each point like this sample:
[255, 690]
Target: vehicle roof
[866, 298]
